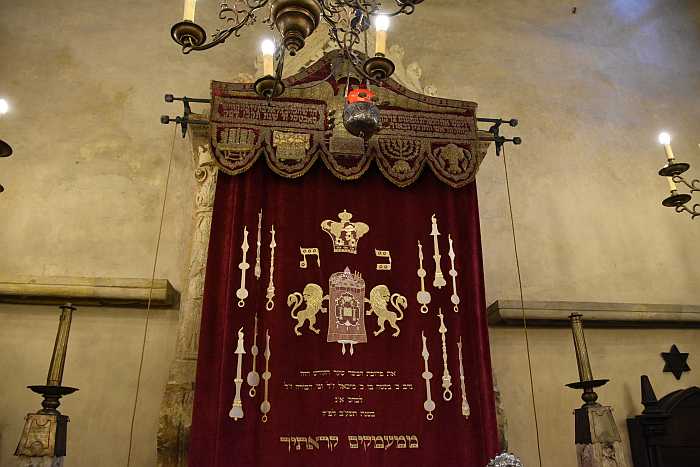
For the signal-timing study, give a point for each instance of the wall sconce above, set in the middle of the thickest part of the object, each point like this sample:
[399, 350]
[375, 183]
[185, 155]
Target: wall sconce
[672, 171]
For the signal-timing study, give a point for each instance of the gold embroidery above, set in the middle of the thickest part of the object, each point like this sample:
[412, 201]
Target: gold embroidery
[379, 297]
[398, 152]
[236, 143]
[453, 273]
[346, 144]
[236, 411]
[258, 266]
[465, 405]
[265, 405]
[242, 292]
[313, 297]
[270, 293]
[453, 159]
[345, 234]
[346, 321]
[439, 280]
[446, 377]
[303, 264]
[401, 169]
[291, 146]
[416, 129]
[427, 375]
[253, 378]
[385, 442]
[310, 442]
[423, 296]
[383, 254]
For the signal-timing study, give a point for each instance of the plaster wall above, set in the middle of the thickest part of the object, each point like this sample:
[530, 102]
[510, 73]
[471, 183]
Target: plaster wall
[85, 188]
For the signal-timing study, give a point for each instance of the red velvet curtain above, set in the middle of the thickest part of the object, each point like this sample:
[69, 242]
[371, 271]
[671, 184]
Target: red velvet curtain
[302, 394]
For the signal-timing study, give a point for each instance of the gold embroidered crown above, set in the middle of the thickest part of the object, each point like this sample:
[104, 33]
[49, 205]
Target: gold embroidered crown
[345, 234]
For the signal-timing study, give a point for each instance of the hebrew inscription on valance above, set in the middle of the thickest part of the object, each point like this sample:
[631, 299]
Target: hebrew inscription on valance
[293, 131]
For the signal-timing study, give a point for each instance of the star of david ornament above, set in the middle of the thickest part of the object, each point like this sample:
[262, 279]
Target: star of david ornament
[676, 362]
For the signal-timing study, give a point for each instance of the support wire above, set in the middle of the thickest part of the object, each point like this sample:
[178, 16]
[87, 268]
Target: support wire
[150, 296]
[522, 308]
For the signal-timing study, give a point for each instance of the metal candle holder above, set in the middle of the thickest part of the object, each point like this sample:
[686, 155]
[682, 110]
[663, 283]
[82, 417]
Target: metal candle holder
[5, 151]
[45, 431]
[379, 67]
[673, 171]
[586, 380]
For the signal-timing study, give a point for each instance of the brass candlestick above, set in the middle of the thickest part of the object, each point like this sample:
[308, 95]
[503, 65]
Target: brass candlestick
[586, 380]
[60, 346]
[44, 433]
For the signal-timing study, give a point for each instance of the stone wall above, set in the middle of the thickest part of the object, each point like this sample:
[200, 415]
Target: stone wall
[591, 89]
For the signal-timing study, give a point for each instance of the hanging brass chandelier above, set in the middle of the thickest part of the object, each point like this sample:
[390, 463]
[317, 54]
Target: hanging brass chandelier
[295, 20]
[672, 171]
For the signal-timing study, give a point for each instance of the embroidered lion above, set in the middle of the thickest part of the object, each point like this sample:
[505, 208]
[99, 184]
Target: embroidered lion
[379, 298]
[313, 296]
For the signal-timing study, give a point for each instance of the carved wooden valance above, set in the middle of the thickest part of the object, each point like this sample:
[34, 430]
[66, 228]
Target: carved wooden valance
[293, 131]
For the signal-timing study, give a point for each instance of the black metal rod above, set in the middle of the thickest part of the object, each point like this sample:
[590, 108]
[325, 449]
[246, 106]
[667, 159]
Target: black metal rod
[498, 121]
[165, 119]
[171, 98]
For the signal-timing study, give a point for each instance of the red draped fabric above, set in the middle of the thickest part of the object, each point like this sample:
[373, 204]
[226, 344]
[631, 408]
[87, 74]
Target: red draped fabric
[327, 408]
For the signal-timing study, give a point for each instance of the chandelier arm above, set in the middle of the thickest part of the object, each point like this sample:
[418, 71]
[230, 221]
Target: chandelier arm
[331, 14]
[278, 71]
[361, 71]
[694, 185]
[353, 4]
[350, 39]
[347, 52]
[694, 212]
[330, 9]
[220, 36]
[256, 3]
[327, 16]
[225, 10]
[334, 13]
[368, 8]
[217, 38]
[405, 9]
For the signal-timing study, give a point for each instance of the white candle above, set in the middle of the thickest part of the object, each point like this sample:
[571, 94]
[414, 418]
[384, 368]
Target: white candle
[669, 151]
[665, 140]
[188, 15]
[268, 50]
[381, 24]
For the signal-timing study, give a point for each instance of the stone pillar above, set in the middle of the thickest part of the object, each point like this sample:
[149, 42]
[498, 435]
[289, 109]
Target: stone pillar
[41, 462]
[501, 419]
[176, 408]
[598, 442]
[43, 440]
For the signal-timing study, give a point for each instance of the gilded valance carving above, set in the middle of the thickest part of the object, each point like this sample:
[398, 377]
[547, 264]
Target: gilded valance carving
[292, 132]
